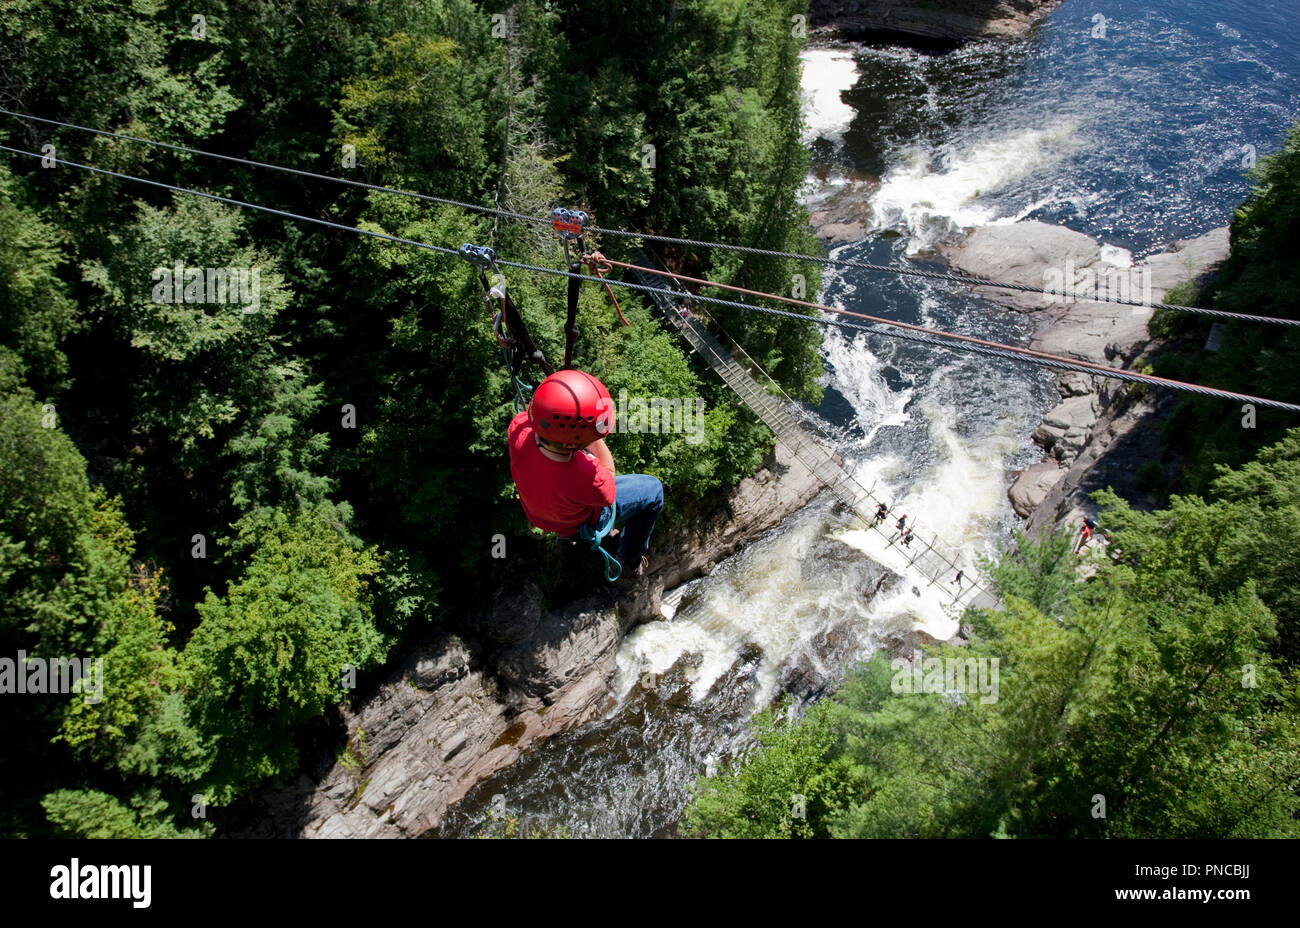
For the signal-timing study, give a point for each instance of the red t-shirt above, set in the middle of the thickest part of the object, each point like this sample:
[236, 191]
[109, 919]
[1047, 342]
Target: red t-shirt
[557, 496]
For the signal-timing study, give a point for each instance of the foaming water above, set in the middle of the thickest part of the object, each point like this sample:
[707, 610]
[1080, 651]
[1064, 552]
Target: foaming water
[826, 72]
[933, 195]
[1136, 133]
[766, 599]
[863, 384]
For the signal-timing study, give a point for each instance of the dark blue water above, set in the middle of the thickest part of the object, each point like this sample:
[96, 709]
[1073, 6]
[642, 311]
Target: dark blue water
[1169, 104]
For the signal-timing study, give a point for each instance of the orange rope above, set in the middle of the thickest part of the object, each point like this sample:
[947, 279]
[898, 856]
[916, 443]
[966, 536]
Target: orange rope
[1027, 352]
[600, 266]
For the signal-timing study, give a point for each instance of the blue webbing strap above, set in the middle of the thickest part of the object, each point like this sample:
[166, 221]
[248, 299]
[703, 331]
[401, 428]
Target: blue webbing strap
[594, 535]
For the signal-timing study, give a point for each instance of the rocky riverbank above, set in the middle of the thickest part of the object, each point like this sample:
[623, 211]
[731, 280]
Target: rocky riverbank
[457, 711]
[1099, 433]
[944, 21]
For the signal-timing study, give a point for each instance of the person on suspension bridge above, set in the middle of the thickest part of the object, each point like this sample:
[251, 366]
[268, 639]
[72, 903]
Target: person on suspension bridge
[881, 509]
[565, 474]
[902, 523]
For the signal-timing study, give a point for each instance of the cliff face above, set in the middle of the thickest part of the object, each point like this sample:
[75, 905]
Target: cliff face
[936, 20]
[456, 711]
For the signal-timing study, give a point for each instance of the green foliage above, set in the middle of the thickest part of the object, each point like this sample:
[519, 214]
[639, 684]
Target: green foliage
[406, 589]
[1149, 477]
[89, 813]
[511, 827]
[1138, 390]
[196, 418]
[35, 312]
[71, 590]
[272, 653]
[1248, 531]
[1039, 571]
[788, 787]
[422, 108]
[55, 573]
[102, 60]
[140, 724]
[211, 382]
[1150, 689]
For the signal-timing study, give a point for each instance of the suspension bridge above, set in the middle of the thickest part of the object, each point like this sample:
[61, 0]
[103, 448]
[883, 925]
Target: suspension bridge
[799, 432]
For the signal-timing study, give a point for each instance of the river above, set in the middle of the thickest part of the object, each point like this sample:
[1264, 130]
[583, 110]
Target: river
[1131, 122]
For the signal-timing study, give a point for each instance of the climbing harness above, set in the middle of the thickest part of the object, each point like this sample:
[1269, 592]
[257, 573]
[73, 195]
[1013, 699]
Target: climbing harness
[594, 535]
[508, 326]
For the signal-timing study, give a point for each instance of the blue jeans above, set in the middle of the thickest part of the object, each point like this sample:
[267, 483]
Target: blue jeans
[638, 499]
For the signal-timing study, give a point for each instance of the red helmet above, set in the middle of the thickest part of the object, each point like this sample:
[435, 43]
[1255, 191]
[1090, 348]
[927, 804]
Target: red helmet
[571, 408]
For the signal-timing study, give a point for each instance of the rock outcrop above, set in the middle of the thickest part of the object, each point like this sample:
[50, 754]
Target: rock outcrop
[1089, 439]
[844, 215]
[1061, 265]
[946, 21]
[1031, 487]
[456, 712]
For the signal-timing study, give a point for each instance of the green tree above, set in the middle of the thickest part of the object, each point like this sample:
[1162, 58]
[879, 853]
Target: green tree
[428, 101]
[71, 589]
[1145, 693]
[56, 574]
[1260, 277]
[35, 311]
[273, 653]
[788, 786]
[89, 813]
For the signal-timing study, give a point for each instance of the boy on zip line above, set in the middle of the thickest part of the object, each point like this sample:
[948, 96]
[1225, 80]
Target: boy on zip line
[565, 475]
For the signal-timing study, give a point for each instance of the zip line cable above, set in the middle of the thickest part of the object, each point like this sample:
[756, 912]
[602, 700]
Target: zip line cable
[880, 326]
[279, 167]
[940, 339]
[966, 279]
[1002, 350]
[233, 202]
